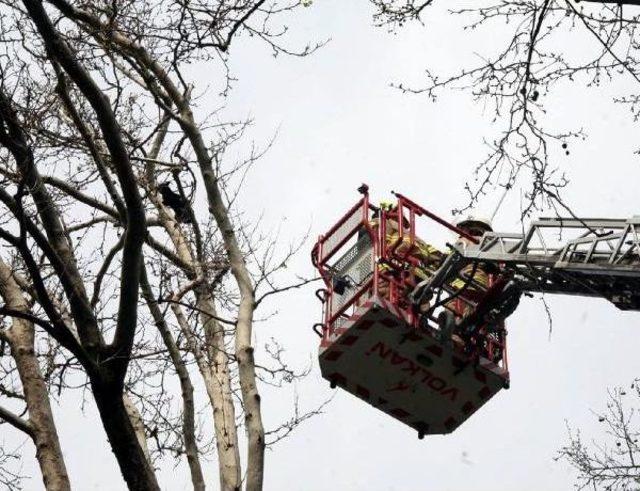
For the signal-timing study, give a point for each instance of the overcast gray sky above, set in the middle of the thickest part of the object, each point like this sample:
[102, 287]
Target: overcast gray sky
[339, 124]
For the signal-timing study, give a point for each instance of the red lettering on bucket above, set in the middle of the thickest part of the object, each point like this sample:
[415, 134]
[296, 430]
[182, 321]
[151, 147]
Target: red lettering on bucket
[450, 392]
[380, 347]
[411, 368]
[436, 384]
[399, 387]
[396, 359]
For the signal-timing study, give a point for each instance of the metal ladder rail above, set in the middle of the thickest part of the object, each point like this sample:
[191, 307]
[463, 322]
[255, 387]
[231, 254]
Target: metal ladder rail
[519, 248]
[603, 260]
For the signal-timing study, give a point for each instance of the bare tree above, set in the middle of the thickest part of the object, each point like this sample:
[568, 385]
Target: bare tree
[102, 165]
[613, 461]
[515, 79]
[105, 362]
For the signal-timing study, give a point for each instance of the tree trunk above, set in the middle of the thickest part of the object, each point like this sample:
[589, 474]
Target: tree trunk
[250, 396]
[135, 468]
[188, 427]
[186, 387]
[44, 434]
[218, 385]
[138, 425]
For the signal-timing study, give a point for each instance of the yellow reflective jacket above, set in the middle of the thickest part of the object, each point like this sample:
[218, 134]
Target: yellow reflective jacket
[480, 277]
[429, 256]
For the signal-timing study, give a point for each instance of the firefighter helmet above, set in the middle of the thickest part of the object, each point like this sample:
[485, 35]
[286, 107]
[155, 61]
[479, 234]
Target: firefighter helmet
[475, 223]
[387, 205]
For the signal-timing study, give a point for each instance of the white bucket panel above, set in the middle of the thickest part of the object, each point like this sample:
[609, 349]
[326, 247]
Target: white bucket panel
[406, 373]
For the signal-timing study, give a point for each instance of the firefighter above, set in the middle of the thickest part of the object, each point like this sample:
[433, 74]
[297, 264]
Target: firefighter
[475, 280]
[475, 227]
[473, 277]
[429, 257]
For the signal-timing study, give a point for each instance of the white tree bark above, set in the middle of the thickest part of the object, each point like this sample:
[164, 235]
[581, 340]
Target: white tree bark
[43, 432]
[214, 364]
[138, 425]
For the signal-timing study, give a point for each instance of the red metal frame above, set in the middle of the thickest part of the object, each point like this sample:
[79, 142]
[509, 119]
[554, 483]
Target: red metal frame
[321, 257]
[419, 210]
[393, 265]
[319, 254]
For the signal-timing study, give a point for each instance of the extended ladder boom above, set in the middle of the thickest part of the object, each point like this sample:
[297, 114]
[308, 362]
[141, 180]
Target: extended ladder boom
[592, 257]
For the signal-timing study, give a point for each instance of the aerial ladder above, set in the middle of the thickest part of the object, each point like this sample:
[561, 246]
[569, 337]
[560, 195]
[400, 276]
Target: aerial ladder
[430, 350]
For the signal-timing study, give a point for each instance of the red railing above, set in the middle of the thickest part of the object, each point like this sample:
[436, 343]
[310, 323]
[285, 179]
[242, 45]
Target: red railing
[341, 232]
[382, 261]
[331, 249]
